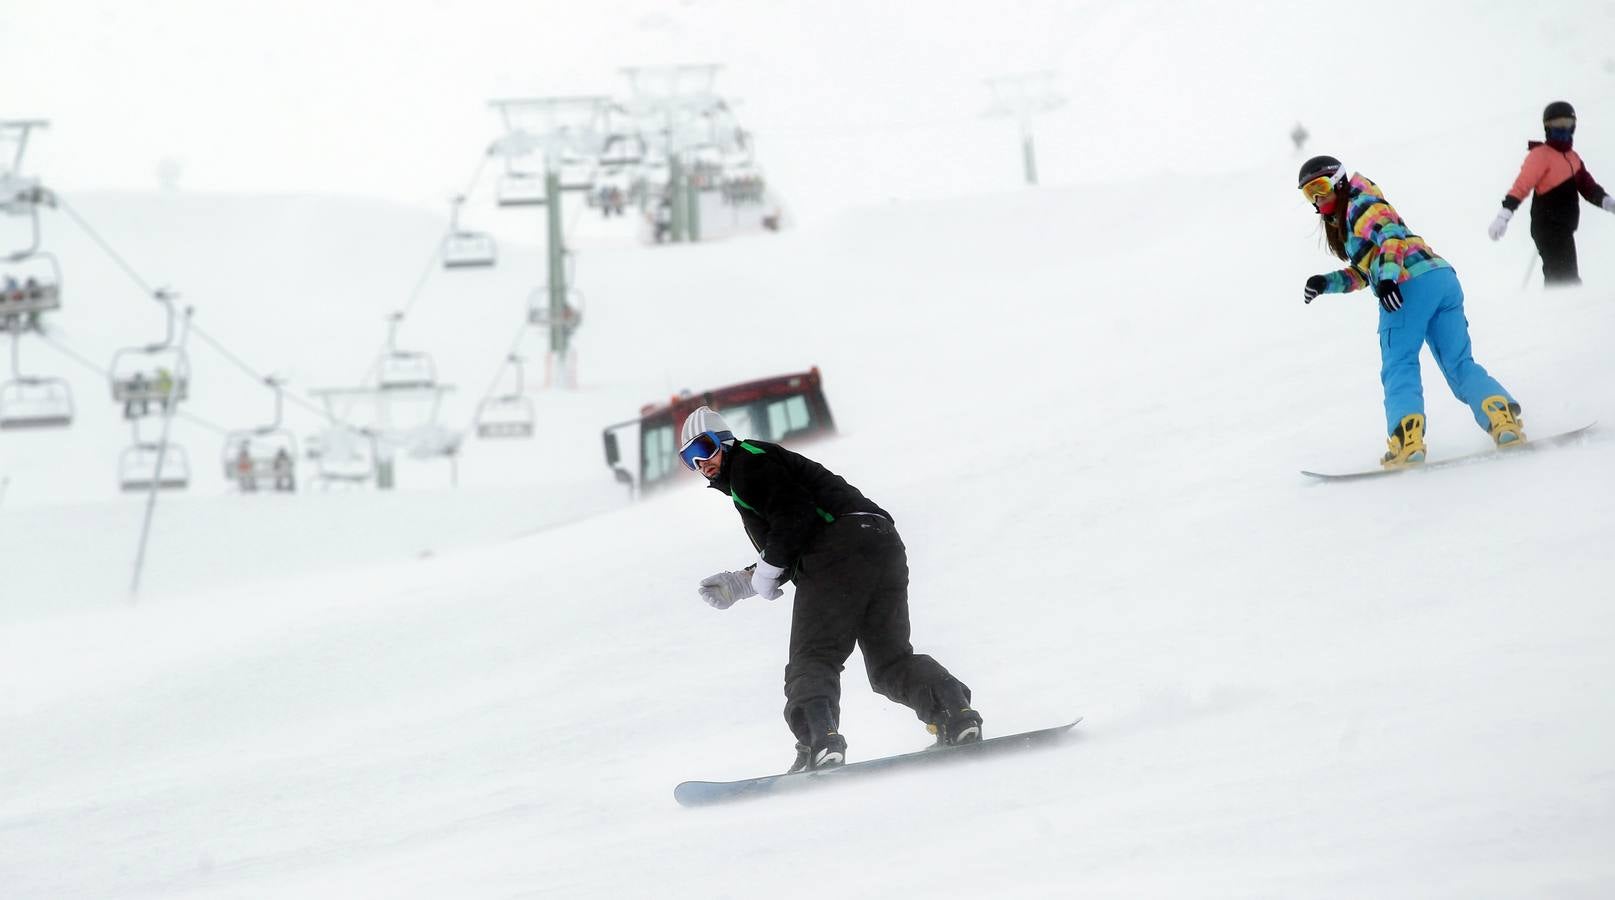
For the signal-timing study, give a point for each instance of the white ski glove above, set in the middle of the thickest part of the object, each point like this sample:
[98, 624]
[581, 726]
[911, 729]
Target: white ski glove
[1500, 224]
[720, 591]
[1609, 203]
[765, 580]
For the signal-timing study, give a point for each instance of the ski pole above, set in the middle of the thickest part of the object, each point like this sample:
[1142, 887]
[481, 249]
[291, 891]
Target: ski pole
[1530, 266]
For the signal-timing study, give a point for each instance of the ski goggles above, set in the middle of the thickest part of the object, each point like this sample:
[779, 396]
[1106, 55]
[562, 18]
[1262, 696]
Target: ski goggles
[1566, 122]
[702, 447]
[1318, 189]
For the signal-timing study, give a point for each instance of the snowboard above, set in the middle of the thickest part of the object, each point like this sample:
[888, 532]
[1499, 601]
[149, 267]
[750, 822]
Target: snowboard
[702, 793]
[1531, 444]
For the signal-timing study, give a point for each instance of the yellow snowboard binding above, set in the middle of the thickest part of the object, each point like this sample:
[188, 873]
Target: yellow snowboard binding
[1406, 443]
[1504, 416]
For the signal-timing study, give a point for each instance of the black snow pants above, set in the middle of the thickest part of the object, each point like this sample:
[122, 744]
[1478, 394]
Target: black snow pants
[852, 588]
[1556, 244]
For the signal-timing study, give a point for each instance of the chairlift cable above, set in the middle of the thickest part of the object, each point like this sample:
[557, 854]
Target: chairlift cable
[432, 258]
[476, 175]
[144, 286]
[213, 342]
[106, 247]
[420, 283]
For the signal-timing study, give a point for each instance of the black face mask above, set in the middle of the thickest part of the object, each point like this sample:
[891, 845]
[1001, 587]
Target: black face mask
[1561, 138]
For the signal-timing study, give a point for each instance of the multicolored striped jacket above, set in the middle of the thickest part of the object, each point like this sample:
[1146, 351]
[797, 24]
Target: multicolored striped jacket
[1378, 243]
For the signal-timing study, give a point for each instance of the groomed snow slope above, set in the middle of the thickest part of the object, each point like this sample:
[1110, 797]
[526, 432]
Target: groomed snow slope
[1086, 408]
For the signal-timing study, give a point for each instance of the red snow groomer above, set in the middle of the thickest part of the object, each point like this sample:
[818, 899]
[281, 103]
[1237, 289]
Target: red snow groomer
[782, 408]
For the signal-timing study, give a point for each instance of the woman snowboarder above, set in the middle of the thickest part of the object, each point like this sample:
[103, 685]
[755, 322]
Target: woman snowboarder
[1420, 301]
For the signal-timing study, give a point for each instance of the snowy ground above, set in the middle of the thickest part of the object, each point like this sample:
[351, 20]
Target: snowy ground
[1086, 408]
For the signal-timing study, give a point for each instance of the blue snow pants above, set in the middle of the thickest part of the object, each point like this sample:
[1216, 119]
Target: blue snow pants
[1432, 311]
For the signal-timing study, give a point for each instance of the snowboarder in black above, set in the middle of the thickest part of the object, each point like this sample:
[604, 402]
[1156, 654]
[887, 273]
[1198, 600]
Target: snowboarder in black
[850, 569]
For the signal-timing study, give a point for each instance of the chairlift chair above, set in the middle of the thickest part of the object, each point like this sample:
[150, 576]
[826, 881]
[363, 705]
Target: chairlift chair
[577, 173]
[622, 150]
[520, 189]
[21, 196]
[464, 249]
[30, 284]
[157, 373]
[538, 308]
[469, 250]
[404, 369]
[345, 457]
[264, 447]
[27, 403]
[21, 201]
[509, 416]
[148, 376]
[137, 468]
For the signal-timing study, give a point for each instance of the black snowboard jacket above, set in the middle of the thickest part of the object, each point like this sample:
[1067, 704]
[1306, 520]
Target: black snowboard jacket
[785, 499]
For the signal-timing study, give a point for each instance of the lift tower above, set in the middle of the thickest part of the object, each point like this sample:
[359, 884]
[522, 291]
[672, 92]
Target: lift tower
[680, 109]
[561, 140]
[1022, 97]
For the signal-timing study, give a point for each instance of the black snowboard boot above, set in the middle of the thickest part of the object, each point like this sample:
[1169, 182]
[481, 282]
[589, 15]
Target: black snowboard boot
[831, 751]
[803, 755]
[957, 726]
[824, 748]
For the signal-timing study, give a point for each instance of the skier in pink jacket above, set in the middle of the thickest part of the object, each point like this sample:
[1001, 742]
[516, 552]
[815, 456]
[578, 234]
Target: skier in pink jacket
[1555, 174]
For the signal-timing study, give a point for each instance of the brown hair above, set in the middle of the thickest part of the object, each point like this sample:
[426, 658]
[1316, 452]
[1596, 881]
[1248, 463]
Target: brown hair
[1334, 225]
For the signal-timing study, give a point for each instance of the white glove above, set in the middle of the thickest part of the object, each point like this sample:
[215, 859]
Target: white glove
[765, 580]
[723, 589]
[1500, 224]
[1609, 203]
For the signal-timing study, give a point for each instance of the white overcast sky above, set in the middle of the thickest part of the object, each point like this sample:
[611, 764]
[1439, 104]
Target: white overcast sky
[850, 100]
[389, 98]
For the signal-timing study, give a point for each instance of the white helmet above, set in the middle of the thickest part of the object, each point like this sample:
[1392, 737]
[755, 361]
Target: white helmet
[701, 421]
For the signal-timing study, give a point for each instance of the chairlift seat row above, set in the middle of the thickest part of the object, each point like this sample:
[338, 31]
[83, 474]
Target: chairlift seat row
[504, 429]
[149, 391]
[511, 416]
[42, 298]
[518, 189]
[28, 403]
[137, 468]
[538, 313]
[257, 466]
[405, 369]
[265, 447]
[408, 382]
[139, 483]
[468, 249]
[20, 196]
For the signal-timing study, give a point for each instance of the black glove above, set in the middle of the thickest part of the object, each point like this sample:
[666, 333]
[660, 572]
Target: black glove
[1390, 296]
[1315, 286]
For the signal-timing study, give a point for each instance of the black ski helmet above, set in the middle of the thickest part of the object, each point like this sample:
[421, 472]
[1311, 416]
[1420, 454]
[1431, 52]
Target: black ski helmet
[1558, 109]
[1317, 167]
